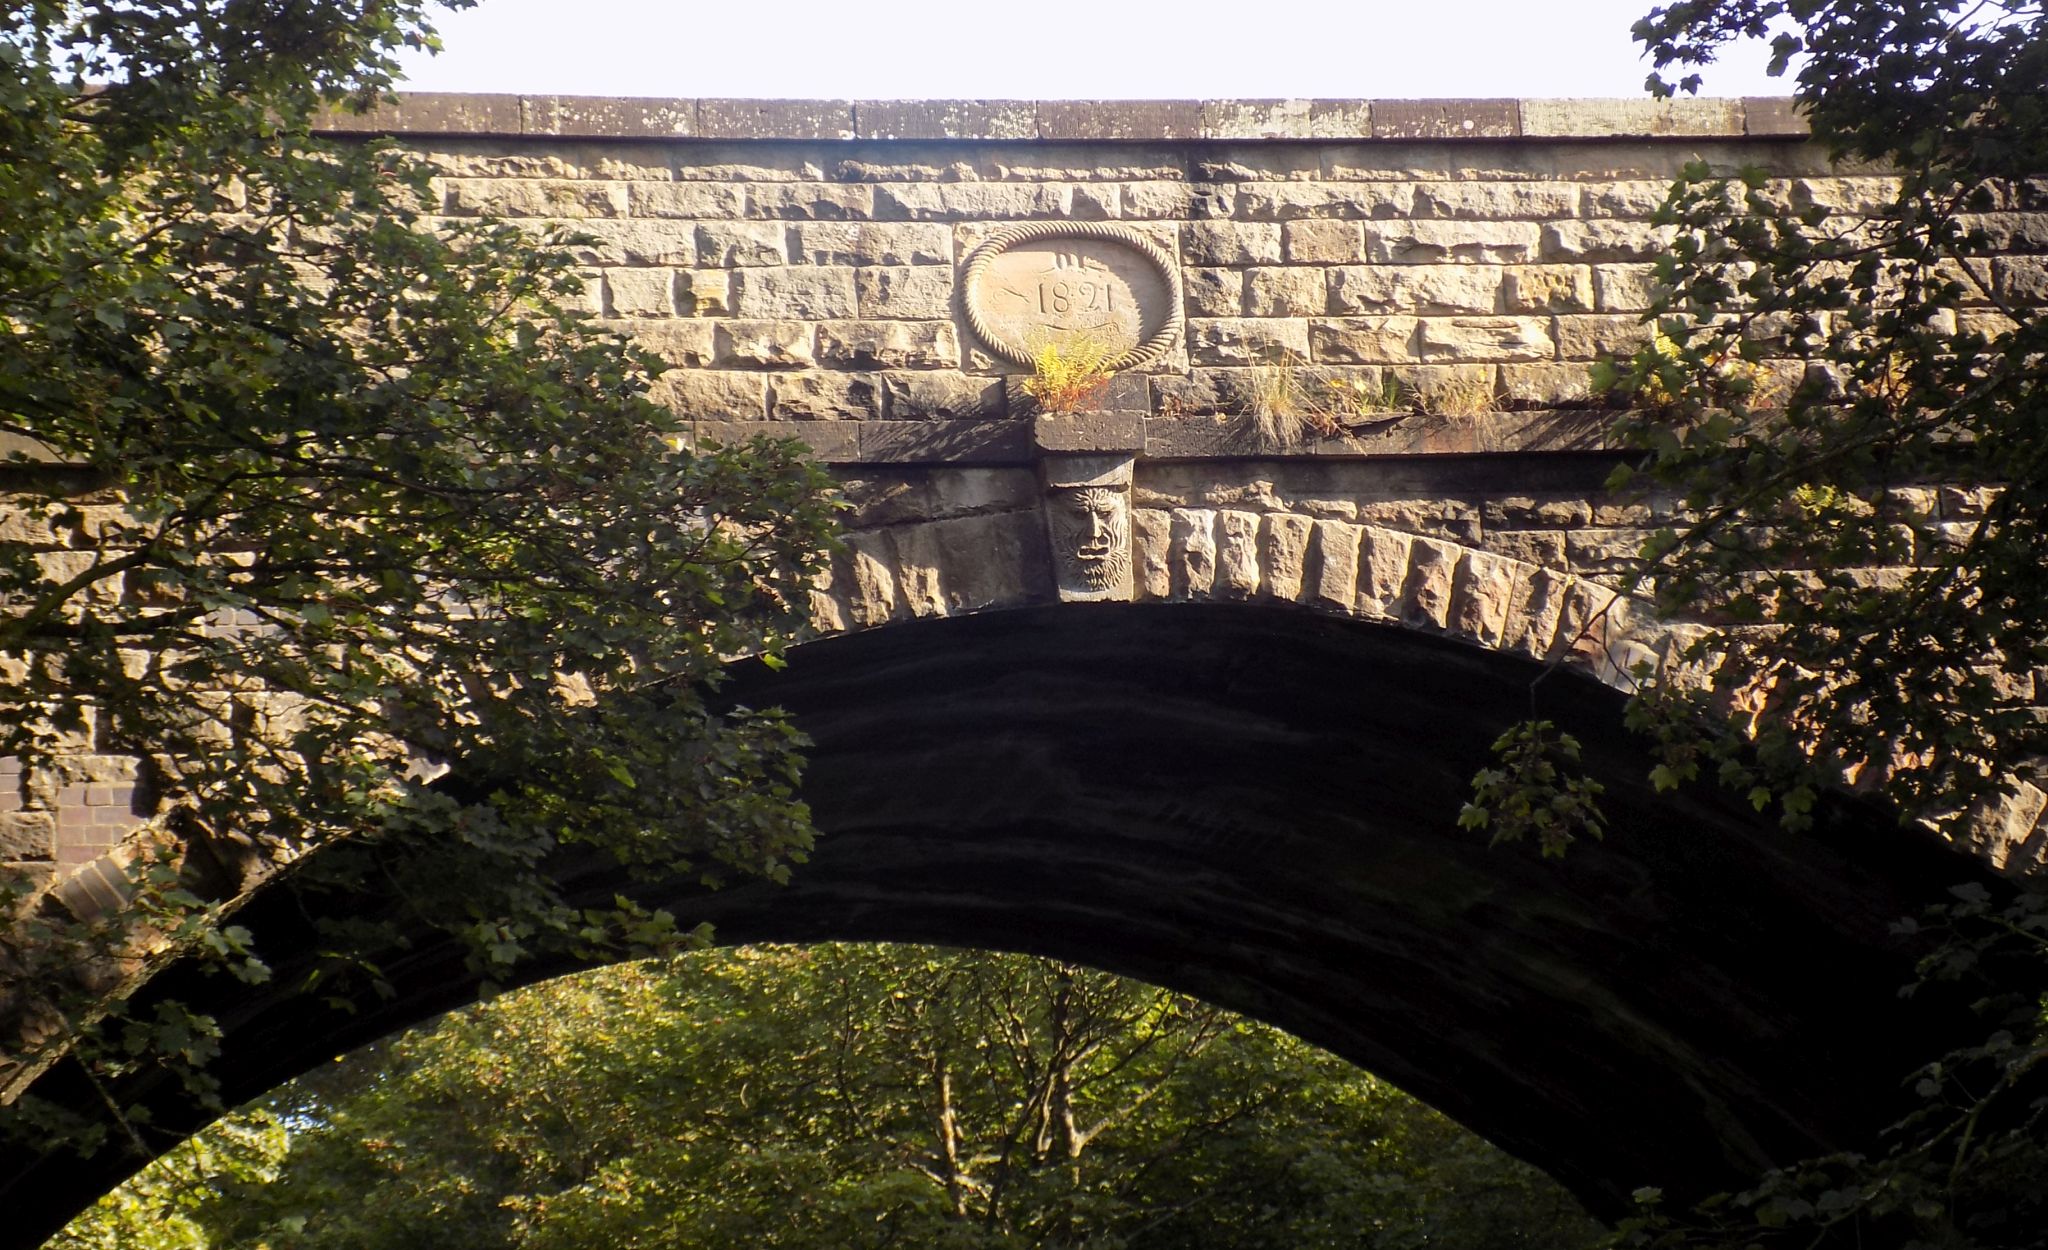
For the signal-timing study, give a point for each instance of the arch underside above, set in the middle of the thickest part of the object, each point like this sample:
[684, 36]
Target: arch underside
[1258, 805]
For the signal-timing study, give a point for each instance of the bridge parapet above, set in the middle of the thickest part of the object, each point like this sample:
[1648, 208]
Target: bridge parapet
[1374, 402]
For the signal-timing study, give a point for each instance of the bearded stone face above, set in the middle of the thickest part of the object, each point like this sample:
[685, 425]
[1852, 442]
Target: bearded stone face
[1091, 529]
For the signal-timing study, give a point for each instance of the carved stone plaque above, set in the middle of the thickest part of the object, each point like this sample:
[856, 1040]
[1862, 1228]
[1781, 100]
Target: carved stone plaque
[1088, 519]
[1048, 282]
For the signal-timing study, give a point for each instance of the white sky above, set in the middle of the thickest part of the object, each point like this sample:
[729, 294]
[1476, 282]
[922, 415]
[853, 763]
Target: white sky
[1056, 49]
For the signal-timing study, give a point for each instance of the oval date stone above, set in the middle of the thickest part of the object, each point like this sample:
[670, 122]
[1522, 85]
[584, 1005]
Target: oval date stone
[1047, 283]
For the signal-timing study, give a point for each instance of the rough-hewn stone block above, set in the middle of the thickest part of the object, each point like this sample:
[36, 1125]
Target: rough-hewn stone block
[1322, 242]
[904, 292]
[1230, 243]
[765, 344]
[1447, 340]
[1632, 198]
[627, 242]
[1363, 340]
[1193, 552]
[824, 243]
[1483, 593]
[1284, 543]
[903, 243]
[686, 344]
[1497, 201]
[806, 293]
[1604, 240]
[1151, 542]
[1383, 557]
[705, 395]
[506, 197]
[1625, 288]
[639, 293]
[825, 397]
[968, 201]
[810, 201]
[1286, 292]
[1213, 292]
[1247, 341]
[1590, 337]
[685, 199]
[1292, 201]
[1431, 242]
[730, 244]
[926, 395]
[1547, 289]
[889, 345]
[704, 292]
[1426, 289]
[1431, 587]
[1336, 548]
[1237, 554]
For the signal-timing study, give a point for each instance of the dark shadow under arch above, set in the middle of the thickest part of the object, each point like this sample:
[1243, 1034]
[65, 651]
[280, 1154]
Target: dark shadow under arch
[1258, 806]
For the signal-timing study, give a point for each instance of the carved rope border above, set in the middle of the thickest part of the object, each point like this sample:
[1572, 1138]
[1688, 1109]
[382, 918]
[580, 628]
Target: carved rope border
[1002, 240]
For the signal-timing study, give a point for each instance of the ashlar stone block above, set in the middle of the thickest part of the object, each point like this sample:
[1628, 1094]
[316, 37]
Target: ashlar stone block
[694, 200]
[904, 292]
[1363, 340]
[640, 292]
[1434, 242]
[731, 244]
[1547, 289]
[1425, 289]
[1321, 242]
[889, 345]
[1293, 291]
[765, 344]
[1230, 243]
[805, 293]
[1453, 340]
[1247, 341]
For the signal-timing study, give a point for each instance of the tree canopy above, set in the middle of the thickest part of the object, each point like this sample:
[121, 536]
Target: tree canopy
[836, 1097]
[1843, 406]
[314, 496]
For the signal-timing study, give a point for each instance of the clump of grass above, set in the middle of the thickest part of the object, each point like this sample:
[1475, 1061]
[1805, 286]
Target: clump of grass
[1289, 404]
[1355, 401]
[1070, 372]
[1279, 403]
[1459, 395]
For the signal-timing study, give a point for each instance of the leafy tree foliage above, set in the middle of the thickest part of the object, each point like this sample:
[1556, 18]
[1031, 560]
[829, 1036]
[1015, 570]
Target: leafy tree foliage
[841, 1097]
[316, 496]
[1871, 529]
[1845, 401]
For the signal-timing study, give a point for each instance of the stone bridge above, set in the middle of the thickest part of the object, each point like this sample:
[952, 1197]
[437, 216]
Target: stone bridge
[1190, 684]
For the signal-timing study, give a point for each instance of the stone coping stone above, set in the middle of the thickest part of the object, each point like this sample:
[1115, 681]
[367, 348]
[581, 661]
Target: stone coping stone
[1070, 121]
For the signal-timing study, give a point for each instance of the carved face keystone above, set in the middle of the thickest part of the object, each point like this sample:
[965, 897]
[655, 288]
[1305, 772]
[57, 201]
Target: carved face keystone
[1091, 529]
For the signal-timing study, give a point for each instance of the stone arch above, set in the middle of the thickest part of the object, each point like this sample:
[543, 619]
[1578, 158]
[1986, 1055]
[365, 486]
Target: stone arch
[981, 548]
[1256, 804]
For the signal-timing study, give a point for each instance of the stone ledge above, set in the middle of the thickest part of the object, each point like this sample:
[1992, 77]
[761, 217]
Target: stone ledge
[1014, 441]
[1071, 121]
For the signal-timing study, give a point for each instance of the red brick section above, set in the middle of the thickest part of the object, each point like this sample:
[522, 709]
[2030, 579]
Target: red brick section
[92, 819]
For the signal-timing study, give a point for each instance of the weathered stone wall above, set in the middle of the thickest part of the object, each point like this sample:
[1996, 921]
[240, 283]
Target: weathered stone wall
[801, 267]
[799, 263]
